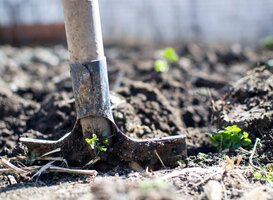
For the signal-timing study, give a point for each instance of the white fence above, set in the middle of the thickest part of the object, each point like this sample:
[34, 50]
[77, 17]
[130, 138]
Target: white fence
[165, 20]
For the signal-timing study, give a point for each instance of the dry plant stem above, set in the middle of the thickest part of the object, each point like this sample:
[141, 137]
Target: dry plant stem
[51, 169]
[92, 162]
[55, 159]
[84, 39]
[241, 177]
[43, 169]
[159, 158]
[197, 170]
[12, 167]
[205, 180]
[6, 170]
[50, 152]
[252, 154]
[72, 171]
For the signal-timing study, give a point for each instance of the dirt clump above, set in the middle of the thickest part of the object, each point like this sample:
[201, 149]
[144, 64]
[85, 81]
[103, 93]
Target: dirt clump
[248, 104]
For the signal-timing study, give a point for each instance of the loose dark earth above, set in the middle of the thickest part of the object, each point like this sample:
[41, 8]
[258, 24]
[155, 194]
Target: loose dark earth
[209, 88]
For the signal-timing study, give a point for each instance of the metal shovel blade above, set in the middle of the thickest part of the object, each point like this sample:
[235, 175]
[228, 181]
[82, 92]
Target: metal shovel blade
[73, 148]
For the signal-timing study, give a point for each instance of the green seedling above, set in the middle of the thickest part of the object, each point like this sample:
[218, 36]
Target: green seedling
[95, 143]
[170, 55]
[161, 66]
[267, 42]
[163, 63]
[92, 141]
[232, 137]
[265, 174]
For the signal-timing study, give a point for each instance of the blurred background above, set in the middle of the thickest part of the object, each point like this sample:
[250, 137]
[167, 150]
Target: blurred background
[245, 21]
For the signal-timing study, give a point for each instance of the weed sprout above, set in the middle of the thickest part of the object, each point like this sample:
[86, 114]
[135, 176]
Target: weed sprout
[163, 63]
[232, 137]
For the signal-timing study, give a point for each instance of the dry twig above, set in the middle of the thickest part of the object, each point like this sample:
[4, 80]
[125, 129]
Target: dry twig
[50, 152]
[52, 168]
[197, 170]
[159, 158]
[205, 179]
[252, 154]
[38, 170]
[12, 167]
[43, 168]
[72, 171]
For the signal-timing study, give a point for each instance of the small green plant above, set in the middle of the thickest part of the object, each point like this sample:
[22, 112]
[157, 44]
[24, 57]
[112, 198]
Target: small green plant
[163, 63]
[267, 42]
[265, 174]
[95, 143]
[92, 141]
[161, 66]
[232, 137]
[170, 55]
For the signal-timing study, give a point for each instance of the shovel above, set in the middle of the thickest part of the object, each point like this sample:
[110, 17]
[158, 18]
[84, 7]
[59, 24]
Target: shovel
[95, 135]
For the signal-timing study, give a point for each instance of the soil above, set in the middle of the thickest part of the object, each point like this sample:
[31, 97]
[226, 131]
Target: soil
[209, 88]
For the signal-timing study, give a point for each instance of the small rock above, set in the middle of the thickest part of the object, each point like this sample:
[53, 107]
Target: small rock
[213, 190]
[12, 180]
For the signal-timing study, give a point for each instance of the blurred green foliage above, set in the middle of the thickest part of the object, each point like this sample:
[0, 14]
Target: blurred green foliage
[168, 56]
[265, 174]
[267, 42]
[161, 66]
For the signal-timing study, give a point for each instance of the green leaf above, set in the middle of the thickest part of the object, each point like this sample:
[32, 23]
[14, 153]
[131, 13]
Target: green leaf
[245, 134]
[233, 128]
[92, 141]
[246, 142]
[101, 149]
[170, 55]
[230, 138]
[257, 175]
[105, 142]
[264, 174]
[161, 66]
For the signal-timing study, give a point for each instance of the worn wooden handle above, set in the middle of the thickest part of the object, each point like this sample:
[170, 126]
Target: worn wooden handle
[83, 30]
[84, 39]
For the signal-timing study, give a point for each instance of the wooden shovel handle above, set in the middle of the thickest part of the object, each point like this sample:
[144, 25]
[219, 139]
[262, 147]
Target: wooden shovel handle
[83, 30]
[84, 39]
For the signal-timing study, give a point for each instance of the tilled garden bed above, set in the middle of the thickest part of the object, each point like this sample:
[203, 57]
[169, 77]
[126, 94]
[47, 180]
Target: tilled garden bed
[209, 88]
